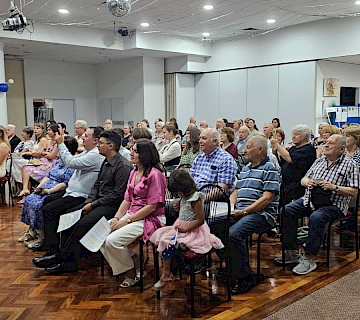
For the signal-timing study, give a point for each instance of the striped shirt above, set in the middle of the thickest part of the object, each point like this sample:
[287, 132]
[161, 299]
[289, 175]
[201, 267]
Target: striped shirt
[253, 182]
[218, 167]
[342, 172]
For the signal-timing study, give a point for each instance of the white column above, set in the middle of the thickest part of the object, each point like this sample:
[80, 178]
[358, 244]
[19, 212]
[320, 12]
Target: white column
[3, 104]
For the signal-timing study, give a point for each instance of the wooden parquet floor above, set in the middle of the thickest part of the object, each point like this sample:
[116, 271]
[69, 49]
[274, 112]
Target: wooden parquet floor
[27, 293]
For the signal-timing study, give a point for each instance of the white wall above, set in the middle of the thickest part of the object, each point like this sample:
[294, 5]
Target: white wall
[185, 100]
[60, 80]
[154, 94]
[123, 79]
[283, 91]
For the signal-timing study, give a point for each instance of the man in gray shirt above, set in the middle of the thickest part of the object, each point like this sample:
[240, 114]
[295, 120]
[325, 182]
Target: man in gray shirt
[87, 166]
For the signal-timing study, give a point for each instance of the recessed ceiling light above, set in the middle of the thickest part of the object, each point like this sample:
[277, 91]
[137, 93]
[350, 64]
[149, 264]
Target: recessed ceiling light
[63, 11]
[208, 7]
[357, 2]
[144, 24]
[206, 34]
[271, 21]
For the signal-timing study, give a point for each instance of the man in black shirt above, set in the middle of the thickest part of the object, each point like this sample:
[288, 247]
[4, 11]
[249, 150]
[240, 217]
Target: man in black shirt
[104, 200]
[295, 162]
[14, 140]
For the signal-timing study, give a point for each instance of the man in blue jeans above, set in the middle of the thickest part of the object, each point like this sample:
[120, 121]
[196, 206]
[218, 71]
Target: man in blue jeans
[256, 198]
[333, 179]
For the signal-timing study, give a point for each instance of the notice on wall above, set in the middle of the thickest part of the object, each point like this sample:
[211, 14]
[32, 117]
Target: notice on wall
[344, 114]
[353, 112]
[338, 114]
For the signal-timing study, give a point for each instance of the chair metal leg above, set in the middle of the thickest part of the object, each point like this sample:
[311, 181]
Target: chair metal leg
[157, 271]
[141, 282]
[228, 280]
[192, 289]
[258, 258]
[328, 246]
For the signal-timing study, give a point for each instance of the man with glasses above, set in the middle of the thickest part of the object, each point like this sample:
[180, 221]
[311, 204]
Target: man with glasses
[104, 200]
[330, 183]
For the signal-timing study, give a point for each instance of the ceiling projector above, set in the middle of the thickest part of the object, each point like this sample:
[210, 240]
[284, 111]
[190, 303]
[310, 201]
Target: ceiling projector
[17, 20]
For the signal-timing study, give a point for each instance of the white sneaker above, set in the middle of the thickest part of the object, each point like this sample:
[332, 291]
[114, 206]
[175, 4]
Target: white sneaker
[305, 266]
[291, 257]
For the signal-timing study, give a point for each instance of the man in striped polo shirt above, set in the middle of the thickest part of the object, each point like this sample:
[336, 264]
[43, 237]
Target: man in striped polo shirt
[256, 198]
[338, 177]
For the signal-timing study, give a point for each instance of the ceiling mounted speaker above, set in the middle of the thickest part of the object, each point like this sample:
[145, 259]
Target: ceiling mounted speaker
[119, 8]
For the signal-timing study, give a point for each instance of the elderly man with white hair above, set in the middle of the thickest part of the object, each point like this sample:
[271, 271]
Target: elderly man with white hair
[296, 161]
[80, 128]
[256, 198]
[14, 140]
[204, 124]
[330, 183]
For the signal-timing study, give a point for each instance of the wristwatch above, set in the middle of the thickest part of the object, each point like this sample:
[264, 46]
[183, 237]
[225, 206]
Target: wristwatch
[336, 188]
[245, 213]
[128, 220]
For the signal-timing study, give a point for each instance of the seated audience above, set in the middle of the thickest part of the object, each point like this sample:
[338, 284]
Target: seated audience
[127, 134]
[193, 231]
[268, 130]
[192, 148]
[318, 141]
[62, 129]
[48, 159]
[330, 183]
[146, 125]
[108, 125]
[220, 124]
[227, 138]
[139, 133]
[204, 124]
[170, 154]
[140, 214]
[244, 133]
[279, 135]
[4, 151]
[123, 151]
[295, 162]
[80, 128]
[327, 131]
[13, 139]
[276, 123]
[256, 198]
[179, 132]
[158, 138]
[252, 126]
[214, 165]
[104, 200]
[237, 124]
[87, 165]
[352, 135]
[56, 180]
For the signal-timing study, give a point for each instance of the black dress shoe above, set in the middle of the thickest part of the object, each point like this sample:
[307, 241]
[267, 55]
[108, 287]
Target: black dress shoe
[46, 261]
[61, 268]
[243, 286]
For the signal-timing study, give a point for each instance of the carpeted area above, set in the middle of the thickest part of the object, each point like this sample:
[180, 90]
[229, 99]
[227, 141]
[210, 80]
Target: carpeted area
[338, 300]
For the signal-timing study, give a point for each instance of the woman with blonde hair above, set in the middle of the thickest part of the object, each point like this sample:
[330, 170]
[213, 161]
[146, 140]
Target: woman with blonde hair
[327, 131]
[4, 151]
[352, 135]
[237, 124]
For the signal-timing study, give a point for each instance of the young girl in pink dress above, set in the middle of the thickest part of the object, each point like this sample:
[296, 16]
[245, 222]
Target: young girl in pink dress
[193, 231]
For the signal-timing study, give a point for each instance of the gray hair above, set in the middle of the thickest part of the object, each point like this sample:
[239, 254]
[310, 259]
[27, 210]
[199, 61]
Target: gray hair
[260, 142]
[323, 124]
[248, 130]
[11, 126]
[341, 140]
[214, 135]
[81, 123]
[303, 129]
[161, 123]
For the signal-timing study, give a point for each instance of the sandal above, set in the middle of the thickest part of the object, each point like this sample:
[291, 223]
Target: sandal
[23, 193]
[128, 282]
[163, 282]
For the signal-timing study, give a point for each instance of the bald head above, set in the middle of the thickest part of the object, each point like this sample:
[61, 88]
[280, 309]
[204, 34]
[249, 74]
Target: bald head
[243, 132]
[267, 129]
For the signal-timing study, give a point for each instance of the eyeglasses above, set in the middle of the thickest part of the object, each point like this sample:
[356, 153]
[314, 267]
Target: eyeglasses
[100, 143]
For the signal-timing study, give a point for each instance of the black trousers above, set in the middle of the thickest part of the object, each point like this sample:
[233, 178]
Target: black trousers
[70, 246]
[54, 206]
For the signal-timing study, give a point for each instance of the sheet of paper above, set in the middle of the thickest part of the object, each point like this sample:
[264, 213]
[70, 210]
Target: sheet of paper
[221, 208]
[96, 236]
[68, 220]
[338, 114]
[353, 112]
[344, 114]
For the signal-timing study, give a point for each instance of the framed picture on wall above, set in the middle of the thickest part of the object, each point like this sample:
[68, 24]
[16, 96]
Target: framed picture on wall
[331, 87]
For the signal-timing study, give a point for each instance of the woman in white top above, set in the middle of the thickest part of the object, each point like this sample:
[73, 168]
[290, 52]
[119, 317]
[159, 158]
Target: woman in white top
[4, 151]
[170, 154]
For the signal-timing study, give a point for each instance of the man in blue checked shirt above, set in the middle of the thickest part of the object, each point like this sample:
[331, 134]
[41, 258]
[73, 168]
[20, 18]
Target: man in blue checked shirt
[256, 198]
[214, 165]
[330, 183]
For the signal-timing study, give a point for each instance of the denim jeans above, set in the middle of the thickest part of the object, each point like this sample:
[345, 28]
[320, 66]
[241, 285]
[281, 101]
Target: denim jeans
[317, 223]
[238, 232]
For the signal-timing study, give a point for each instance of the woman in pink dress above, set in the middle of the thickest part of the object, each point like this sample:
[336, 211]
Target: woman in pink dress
[193, 231]
[140, 214]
